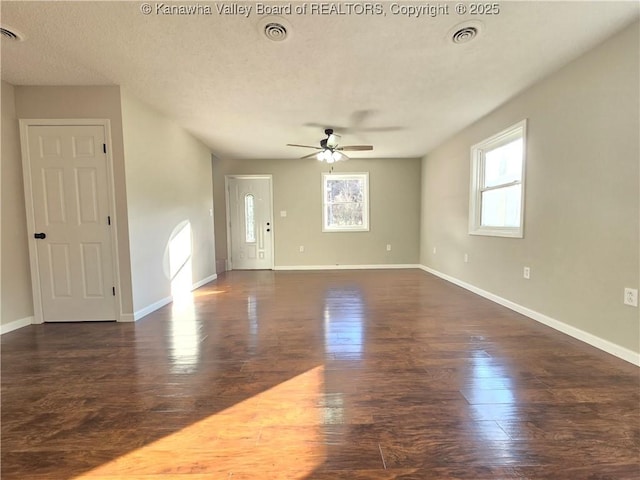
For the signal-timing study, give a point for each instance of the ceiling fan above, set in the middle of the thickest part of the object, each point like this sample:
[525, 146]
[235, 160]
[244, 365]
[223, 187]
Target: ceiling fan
[329, 150]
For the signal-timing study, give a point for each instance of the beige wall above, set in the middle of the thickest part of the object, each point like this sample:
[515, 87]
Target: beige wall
[170, 174]
[168, 183]
[15, 284]
[582, 198]
[394, 186]
[98, 103]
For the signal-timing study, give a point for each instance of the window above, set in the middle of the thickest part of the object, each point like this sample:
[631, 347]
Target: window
[249, 219]
[345, 202]
[496, 200]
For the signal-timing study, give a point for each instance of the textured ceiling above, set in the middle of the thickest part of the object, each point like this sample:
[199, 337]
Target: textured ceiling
[392, 80]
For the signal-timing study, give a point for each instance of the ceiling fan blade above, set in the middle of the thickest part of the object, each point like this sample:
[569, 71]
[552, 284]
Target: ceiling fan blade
[358, 118]
[309, 156]
[303, 146]
[381, 129]
[354, 148]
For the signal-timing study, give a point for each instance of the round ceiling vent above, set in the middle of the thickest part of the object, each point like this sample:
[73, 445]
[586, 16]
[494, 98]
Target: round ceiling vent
[10, 34]
[464, 35]
[465, 32]
[275, 29]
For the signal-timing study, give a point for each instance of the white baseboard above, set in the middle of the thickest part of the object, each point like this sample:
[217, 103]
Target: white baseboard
[15, 325]
[346, 267]
[143, 312]
[593, 340]
[204, 281]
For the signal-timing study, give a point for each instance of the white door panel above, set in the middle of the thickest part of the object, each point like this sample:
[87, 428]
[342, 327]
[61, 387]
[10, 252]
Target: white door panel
[69, 188]
[251, 224]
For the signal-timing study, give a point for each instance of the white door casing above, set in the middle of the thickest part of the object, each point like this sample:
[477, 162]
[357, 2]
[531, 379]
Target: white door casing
[250, 226]
[68, 193]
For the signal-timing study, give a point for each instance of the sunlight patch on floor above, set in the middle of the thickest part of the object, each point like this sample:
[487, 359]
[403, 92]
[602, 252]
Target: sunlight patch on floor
[275, 434]
[207, 293]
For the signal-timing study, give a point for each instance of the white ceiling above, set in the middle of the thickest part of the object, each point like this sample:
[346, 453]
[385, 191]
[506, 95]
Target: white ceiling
[246, 96]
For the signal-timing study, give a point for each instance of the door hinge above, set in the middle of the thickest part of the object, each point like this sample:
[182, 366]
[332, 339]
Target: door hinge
[108, 219]
[104, 147]
[113, 289]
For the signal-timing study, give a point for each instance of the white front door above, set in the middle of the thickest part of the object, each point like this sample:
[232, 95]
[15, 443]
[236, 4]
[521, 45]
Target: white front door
[251, 223]
[69, 187]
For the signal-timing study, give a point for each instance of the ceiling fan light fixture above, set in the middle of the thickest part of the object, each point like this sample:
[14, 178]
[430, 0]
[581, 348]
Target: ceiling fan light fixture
[329, 156]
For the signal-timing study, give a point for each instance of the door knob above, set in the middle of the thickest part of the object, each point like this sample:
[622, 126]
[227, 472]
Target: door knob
[40, 235]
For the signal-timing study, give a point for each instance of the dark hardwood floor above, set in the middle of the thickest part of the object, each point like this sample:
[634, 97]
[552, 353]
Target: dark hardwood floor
[317, 375]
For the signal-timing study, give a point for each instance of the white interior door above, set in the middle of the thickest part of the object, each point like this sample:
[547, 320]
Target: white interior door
[251, 223]
[69, 188]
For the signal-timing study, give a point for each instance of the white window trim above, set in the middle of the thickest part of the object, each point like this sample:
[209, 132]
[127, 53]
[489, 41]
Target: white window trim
[475, 195]
[365, 210]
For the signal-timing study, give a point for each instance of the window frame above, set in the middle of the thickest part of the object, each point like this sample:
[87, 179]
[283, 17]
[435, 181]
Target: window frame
[364, 177]
[518, 130]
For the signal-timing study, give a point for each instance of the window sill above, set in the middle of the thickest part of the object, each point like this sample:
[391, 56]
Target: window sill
[344, 230]
[498, 232]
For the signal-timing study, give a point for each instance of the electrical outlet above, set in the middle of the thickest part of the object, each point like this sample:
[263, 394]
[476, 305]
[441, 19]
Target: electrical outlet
[388, 247]
[466, 258]
[434, 250]
[631, 297]
[526, 273]
[301, 248]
